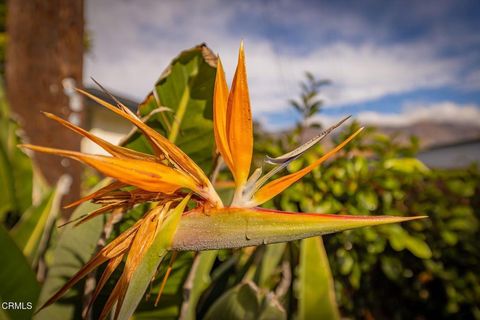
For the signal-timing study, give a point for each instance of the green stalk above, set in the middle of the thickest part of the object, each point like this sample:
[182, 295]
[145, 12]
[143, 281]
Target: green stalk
[182, 108]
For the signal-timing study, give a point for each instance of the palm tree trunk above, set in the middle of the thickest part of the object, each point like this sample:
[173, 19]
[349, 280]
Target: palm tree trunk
[44, 54]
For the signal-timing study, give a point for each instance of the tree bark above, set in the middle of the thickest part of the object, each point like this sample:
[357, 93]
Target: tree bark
[45, 47]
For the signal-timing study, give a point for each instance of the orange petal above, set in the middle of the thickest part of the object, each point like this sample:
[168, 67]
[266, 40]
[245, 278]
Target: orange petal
[109, 269]
[100, 211]
[117, 291]
[112, 186]
[239, 125]
[147, 175]
[141, 243]
[160, 144]
[114, 150]
[220, 99]
[274, 187]
[165, 277]
[86, 217]
[118, 246]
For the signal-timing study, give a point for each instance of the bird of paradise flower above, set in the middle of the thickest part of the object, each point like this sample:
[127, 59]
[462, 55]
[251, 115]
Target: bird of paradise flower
[169, 179]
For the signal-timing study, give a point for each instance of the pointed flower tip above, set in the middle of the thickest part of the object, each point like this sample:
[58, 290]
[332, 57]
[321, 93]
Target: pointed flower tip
[219, 66]
[49, 115]
[26, 148]
[241, 52]
[414, 218]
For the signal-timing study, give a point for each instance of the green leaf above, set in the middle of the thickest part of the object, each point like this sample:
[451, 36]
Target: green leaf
[15, 167]
[316, 289]
[271, 258]
[28, 231]
[7, 196]
[150, 262]
[200, 282]
[245, 302]
[367, 199]
[74, 248]
[186, 88]
[462, 188]
[18, 281]
[418, 247]
[171, 300]
[400, 239]
[391, 267]
[406, 165]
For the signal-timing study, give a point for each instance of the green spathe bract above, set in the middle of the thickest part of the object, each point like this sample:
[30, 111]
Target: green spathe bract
[242, 227]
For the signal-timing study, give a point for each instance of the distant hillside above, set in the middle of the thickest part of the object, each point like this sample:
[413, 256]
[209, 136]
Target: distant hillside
[430, 133]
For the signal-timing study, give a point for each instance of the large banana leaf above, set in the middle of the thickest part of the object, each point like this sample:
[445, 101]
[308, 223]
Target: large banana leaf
[18, 282]
[186, 89]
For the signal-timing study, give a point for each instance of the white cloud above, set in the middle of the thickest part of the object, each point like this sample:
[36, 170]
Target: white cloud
[363, 72]
[367, 72]
[133, 43]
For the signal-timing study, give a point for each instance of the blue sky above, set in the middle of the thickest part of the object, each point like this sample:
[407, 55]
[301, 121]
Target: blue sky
[392, 62]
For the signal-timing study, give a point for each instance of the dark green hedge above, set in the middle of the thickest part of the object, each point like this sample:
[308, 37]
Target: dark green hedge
[426, 269]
